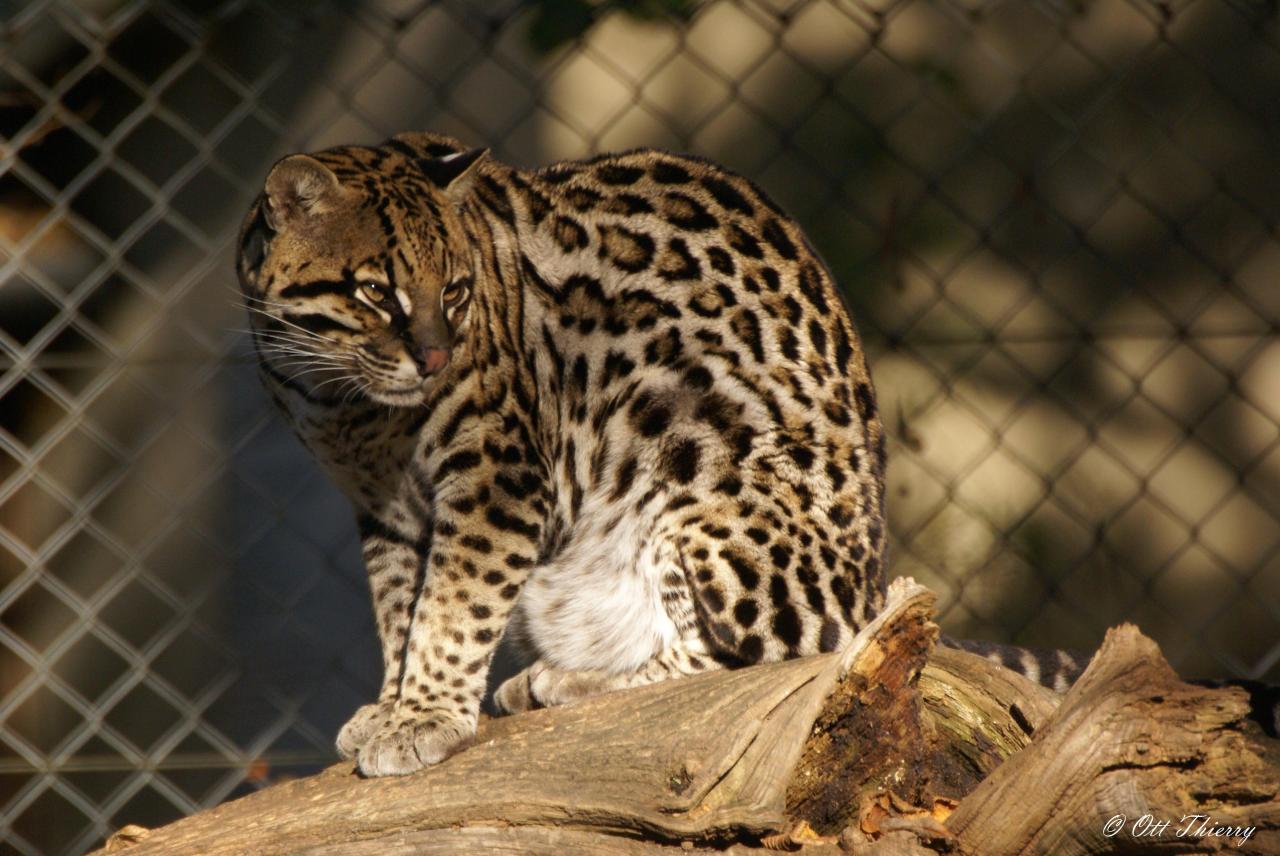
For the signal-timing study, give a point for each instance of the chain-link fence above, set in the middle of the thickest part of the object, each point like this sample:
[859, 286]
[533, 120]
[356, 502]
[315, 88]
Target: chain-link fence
[1056, 222]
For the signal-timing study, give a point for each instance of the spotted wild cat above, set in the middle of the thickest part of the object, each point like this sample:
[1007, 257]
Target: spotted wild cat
[616, 402]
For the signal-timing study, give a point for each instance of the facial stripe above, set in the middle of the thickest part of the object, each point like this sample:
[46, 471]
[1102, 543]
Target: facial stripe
[314, 322]
[315, 288]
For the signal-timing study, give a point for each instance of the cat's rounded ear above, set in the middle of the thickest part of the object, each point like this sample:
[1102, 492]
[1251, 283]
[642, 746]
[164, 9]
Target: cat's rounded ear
[456, 173]
[427, 144]
[297, 187]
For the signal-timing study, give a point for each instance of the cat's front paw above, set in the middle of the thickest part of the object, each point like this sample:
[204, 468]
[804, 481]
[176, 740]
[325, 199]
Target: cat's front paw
[362, 725]
[412, 741]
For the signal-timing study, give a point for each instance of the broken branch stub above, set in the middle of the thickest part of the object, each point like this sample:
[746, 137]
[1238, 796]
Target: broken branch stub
[925, 725]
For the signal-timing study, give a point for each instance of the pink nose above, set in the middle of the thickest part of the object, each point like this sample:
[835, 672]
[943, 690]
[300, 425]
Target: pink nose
[430, 360]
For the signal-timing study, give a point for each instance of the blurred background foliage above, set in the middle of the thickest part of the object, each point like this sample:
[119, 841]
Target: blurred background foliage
[1055, 222]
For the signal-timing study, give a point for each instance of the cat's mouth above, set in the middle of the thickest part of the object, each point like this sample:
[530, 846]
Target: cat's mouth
[407, 397]
[401, 395]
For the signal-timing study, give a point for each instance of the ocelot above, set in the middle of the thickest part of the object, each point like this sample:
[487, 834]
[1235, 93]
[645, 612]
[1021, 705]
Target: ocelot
[614, 408]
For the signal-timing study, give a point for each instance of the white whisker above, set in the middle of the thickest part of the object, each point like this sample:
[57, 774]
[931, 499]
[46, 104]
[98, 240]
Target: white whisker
[343, 378]
[294, 350]
[304, 330]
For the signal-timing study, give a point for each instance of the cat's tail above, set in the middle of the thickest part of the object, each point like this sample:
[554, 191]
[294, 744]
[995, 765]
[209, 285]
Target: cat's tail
[1048, 667]
[1058, 670]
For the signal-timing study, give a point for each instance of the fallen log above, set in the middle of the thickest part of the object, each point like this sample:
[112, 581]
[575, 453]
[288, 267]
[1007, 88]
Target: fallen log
[890, 746]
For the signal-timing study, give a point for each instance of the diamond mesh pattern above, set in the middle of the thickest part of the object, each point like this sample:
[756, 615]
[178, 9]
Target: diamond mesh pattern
[1056, 224]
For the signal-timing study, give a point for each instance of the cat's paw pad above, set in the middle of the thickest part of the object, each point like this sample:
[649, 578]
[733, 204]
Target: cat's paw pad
[411, 742]
[361, 726]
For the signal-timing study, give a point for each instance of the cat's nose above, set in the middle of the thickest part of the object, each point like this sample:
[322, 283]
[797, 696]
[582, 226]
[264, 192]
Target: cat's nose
[429, 360]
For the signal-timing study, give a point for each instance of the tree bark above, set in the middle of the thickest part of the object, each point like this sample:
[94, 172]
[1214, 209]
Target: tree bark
[868, 750]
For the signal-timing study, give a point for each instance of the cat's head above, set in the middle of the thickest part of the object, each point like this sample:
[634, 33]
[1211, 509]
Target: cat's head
[355, 268]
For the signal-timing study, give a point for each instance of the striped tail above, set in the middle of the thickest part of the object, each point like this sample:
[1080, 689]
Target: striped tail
[1048, 667]
[1058, 670]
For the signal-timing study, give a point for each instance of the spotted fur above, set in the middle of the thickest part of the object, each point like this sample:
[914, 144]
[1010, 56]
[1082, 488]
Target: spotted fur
[616, 402]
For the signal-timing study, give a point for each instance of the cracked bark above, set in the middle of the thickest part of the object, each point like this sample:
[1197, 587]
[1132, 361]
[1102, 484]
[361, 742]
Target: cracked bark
[830, 754]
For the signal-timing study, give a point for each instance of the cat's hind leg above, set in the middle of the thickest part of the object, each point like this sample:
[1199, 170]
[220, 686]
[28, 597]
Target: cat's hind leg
[543, 685]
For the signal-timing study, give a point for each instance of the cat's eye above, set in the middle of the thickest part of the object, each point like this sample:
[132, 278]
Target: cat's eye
[372, 291]
[453, 294]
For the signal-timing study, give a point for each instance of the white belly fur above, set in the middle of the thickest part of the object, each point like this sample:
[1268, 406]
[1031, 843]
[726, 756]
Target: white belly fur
[598, 605]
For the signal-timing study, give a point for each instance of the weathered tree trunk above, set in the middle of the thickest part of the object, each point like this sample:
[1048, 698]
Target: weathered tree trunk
[1131, 740]
[866, 751]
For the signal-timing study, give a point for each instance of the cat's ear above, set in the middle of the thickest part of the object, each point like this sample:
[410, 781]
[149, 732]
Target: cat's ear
[456, 173]
[298, 187]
